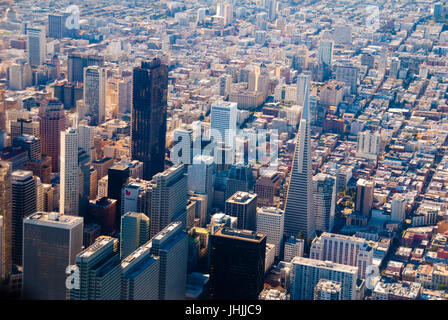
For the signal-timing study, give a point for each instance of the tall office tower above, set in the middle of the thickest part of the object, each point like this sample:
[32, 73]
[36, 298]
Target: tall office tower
[148, 121]
[136, 197]
[299, 208]
[102, 166]
[95, 92]
[243, 205]
[86, 140]
[99, 271]
[184, 137]
[36, 46]
[50, 244]
[31, 144]
[394, 67]
[76, 62]
[169, 197]
[332, 94]
[56, 25]
[83, 181]
[5, 212]
[171, 245]
[23, 126]
[223, 118]
[327, 290]
[267, 187]
[306, 273]
[201, 177]
[398, 208]
[293, 248]
[240, 178]
[303, 84]
[368, 145]
[224, 83]
[140, 275]
[69, 187]
[45, 197]
[364, 196]
[325, 55]
[2, 107]
[237, 259]
[343, 34]
[368, 60]
[134, 232]
[228, 14]
[347, 250]
[124, 95]
[118, 178]
[348, 74]
[200, 17]
[271, 222]
[24, 203]
[324, 193]
[271, 6]
[51, 123]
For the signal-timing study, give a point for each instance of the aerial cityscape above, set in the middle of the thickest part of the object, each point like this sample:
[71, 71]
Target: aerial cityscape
[224, 150]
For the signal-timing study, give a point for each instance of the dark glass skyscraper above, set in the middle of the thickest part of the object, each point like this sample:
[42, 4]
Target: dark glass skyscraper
[118, 178]
[149, 108]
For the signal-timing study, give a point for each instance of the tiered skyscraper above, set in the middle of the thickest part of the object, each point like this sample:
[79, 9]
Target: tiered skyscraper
[299, 208]
[149, 108]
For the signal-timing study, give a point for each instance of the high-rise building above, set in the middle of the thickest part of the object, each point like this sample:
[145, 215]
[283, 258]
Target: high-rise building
[36, 46]
[24, 203]
[237, 264]
[69, 187]
[31, 144]
[50, 244]
[169, 198]
[331, 94]
[76, 62]
[299, 208]
[346, 250]
[1, 247]
[325, 55]
[364, 196]
[239, 178]
[5, 213]
[243, 205]
[171, 245]
[124, 95]
[23, 126]
[398, 208]
[293, 248]
[223, 119]
[303, 84]
[136, 197]
[140, 275]
[52, 123]
[134, 232]
[118, 178]
[267, 187]
[57, 25]
[324, 186]
[306, 273]
[368, 145]
[343, 34]
[148, 121]
[348, 74]
[99, 271]
[327, 290]
[2, 107]
[201, 177]
[270, 222]
[95, 79]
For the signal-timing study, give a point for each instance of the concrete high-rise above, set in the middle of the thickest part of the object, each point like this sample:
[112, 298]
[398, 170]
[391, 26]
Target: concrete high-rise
[171, 245]
[134, 232]
[76, 62]
[36, 46]
[237, 261]
[69, 188]
[306, 273]
[299, 208]
[201, 177]
[243, 206]
[169, 198]
[52, 123]
[223, 119]
[44, 263]
[271, 222]
[95, 79]
[148, 121]
[5, 213]
[364, 196]
[324, 193]
[24, 203]
[99, 271]
[325, 55]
